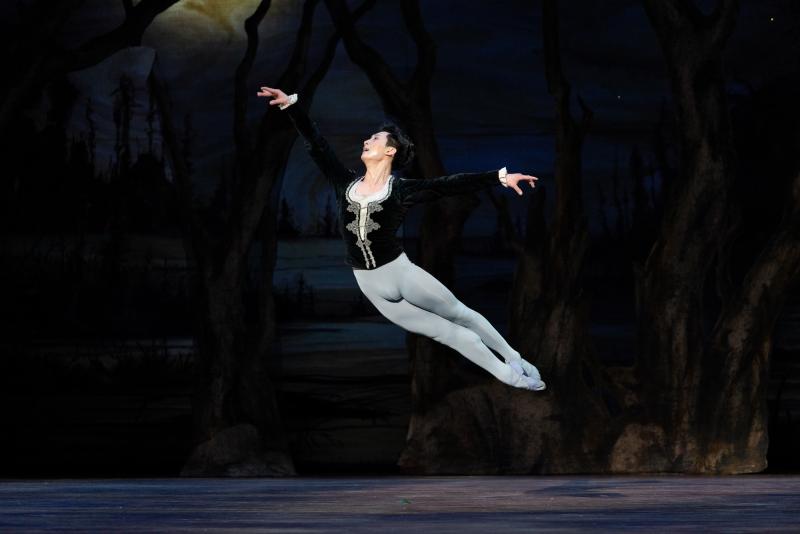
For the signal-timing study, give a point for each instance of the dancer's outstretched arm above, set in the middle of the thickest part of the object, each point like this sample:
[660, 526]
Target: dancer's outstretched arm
[430, 189]
[317, 146]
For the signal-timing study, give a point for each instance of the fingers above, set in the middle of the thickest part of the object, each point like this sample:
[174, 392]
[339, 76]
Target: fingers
[519, 177]
[274, 93]
[529, 179]
[268, 91]
[275, 100]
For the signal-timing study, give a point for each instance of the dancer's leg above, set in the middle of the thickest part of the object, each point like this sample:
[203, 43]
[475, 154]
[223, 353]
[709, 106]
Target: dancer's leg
[380, 286]
[463, 340]
[423, 290]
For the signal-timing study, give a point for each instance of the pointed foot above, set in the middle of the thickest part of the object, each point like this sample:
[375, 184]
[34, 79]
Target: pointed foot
[519, 380]
[523, 366]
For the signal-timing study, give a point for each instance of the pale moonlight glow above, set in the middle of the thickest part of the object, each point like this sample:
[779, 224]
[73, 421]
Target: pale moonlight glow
[204, 22]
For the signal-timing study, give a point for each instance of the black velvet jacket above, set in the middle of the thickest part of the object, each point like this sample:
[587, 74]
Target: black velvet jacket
[385, 214]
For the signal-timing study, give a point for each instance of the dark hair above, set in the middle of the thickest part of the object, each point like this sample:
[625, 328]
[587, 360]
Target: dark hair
[398, 139]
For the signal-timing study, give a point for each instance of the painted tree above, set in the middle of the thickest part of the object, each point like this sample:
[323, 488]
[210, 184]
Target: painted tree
[435, 368]
[237, 426]
[491, 429]
[705, 362]
[36, 60]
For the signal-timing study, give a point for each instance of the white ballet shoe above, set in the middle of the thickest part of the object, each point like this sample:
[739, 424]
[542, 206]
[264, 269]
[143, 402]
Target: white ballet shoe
[523, 366]
[519, 380]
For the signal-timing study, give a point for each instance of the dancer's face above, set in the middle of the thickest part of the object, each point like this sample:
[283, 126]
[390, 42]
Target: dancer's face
[375, 148]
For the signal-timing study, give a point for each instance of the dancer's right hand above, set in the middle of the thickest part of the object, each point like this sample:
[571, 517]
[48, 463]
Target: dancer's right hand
[278, 96]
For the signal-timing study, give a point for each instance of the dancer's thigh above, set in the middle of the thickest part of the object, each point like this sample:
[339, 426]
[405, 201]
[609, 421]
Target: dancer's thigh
[415, 319]
[423, 290]
[380, 284]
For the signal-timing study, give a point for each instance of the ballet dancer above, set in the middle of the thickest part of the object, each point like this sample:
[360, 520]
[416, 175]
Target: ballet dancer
[372, 207]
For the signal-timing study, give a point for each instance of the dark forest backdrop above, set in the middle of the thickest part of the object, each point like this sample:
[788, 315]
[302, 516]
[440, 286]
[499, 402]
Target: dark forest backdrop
[175, 296]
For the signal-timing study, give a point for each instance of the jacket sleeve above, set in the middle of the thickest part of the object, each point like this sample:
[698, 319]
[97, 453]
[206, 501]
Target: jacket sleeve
[318, 147]
[429, 189]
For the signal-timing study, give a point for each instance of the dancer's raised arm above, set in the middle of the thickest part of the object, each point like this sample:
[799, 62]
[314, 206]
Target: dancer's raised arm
[317, 146]
[430, 189]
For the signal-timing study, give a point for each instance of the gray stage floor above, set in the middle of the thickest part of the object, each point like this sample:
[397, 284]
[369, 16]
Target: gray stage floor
[751, 503]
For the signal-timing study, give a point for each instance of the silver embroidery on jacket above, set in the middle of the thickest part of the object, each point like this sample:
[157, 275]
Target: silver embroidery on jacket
[369, 224]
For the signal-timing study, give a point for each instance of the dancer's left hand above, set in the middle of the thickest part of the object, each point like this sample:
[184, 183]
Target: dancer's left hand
[513, 178]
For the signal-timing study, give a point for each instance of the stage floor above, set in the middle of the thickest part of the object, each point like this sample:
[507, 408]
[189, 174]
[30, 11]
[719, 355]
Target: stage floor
[754, 503]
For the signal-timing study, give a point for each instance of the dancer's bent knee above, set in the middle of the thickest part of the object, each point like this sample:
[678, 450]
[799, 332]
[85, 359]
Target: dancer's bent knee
[422, 289]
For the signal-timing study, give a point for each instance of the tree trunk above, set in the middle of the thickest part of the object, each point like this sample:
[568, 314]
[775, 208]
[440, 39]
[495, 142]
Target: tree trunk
[477, 430]
[694, 230]
[238, 428]
[237, 422]
[435, 368]
[733, 391]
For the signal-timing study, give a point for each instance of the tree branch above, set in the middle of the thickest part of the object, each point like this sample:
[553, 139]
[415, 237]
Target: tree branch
[195, 236]
[586, 117]
[668, 14]
[330, 52]
[41, 65]
[291, 77]
[507, 231]
[557, 86]
[749, 318]
[724, 20]
[241, 83]
[376, 69]
[419, 84]
[129, 33]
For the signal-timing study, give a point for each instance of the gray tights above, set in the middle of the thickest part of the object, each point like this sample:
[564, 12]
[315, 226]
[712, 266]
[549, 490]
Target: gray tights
[413, 299]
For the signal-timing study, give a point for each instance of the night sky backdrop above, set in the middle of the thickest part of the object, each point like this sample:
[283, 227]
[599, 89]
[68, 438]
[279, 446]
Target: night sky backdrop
[490, 102]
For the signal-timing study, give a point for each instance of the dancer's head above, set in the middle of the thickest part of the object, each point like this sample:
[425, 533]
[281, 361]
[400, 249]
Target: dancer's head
[389, 144]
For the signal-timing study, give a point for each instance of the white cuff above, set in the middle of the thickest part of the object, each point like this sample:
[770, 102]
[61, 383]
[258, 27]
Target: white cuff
[292, 100]
[501, 174]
